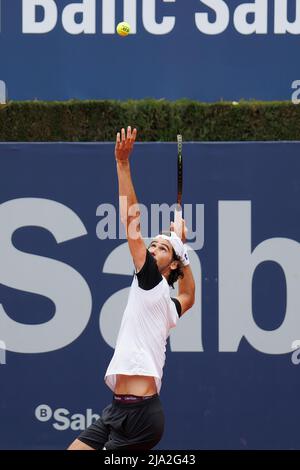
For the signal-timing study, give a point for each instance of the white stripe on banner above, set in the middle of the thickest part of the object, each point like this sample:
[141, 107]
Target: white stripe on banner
[2, 91]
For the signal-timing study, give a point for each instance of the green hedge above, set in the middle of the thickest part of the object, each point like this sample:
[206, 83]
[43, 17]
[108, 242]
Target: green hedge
[156, 120]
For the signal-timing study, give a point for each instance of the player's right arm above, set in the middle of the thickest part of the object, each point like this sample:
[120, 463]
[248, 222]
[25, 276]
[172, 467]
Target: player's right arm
[128, 203]
[186, 285]
[186, 290]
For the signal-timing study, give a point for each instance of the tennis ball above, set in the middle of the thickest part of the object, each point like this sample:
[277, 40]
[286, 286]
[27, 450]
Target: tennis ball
[123, 29]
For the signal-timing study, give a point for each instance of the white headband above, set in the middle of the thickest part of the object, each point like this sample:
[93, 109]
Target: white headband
[179, 248]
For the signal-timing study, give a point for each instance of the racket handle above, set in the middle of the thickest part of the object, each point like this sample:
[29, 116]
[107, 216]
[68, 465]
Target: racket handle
[178, 222]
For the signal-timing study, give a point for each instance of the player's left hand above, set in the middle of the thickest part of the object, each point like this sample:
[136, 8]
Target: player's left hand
[124, 144]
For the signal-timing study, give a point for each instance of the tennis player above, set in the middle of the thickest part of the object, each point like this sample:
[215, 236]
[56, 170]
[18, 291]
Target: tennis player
[135, 419]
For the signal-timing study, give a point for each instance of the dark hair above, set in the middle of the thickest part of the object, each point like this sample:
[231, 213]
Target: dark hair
[177, 273]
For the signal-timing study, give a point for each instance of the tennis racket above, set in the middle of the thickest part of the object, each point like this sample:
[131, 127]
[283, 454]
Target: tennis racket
[178, 211]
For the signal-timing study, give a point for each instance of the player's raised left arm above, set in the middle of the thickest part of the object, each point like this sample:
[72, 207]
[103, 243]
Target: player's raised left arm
[128, 203]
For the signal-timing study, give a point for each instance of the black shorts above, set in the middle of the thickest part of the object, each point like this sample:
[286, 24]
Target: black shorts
[127, 426]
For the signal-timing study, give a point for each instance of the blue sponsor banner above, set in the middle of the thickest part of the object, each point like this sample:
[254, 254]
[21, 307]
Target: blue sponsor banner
[231, 378]
[205, 50]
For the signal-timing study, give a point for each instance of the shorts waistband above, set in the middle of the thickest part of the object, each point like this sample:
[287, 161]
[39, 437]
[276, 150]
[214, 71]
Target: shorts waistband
[127, 400]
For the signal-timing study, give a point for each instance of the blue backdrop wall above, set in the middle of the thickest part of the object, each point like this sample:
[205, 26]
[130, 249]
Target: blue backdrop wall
[231, 377]
[204, 50]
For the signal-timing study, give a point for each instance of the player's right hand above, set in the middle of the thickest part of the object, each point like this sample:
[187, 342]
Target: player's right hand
[184, 231]
[124, 144]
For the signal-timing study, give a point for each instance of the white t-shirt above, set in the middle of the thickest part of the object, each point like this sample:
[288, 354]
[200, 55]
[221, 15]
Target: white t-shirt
[145, 327]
